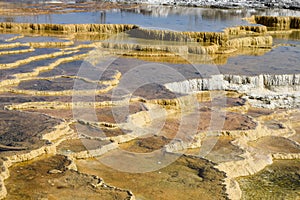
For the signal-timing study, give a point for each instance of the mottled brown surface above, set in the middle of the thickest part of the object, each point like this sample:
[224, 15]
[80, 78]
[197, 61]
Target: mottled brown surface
[77, 145]
[186, 178]
[145, 144]
[97, 131]
[118, 114]
[34, 180]
[223, 150]
[257, 112]
[24, 129]
[274, 144]
[59, 84]
[57, 113]
[206, 120]
[20, 98]
[155, 91]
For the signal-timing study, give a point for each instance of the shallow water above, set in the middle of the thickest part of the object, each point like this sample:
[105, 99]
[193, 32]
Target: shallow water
[281, 60]
[158, 17]
[8, 73]
[39, 39]
[15, 57]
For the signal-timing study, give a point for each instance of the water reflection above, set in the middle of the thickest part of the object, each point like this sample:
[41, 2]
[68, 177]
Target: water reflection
[150, 16]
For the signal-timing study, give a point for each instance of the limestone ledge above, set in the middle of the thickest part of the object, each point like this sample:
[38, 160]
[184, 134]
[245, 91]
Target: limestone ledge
[81, 46]
[33, 58]
[33, 45]
[30, 75]
[213, 41]
[168, 105]
[50, 44]
[260, 131]
[231, 46]
[259, 41]
[14, 38]
[67, 28]
[183, 103]
[246, 30]
[238, 109]
[140, 54]
[262, 99]
[58, 105]
[62, 93]
[115, 139]
[90, 153]
[38, 70]
[218, 38]
[286, 156]
[278, 22]
[130, 194]
[260, 90]
[231, 38]
[17, 51]
[113, 82]
[177, 49]
[206, 37]
[12, 45]
[160, 35]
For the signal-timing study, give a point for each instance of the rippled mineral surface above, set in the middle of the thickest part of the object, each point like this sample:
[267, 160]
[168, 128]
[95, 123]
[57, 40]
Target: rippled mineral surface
[103, 100]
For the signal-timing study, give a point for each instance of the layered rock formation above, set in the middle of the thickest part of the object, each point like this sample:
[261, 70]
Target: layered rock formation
[157, 121]
[270, 90]
[67, 28]
[31, 144]
[224, 42]
[160, 35]
[243, 30]
[152, 50]
[193, 43]
[238, 83]
[278, 22]
[205, 37]
[54, 178]
[259, 41]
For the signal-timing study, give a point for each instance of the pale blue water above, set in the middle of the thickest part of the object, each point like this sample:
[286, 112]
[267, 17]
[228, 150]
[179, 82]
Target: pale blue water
[277, 61]
[155, 17]
[180, 22]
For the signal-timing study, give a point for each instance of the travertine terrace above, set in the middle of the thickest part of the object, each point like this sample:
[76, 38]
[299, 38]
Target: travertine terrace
[66, 102]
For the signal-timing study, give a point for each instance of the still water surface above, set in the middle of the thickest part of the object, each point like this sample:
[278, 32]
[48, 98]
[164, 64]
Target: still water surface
[156, 17]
